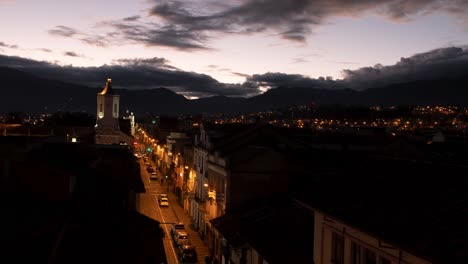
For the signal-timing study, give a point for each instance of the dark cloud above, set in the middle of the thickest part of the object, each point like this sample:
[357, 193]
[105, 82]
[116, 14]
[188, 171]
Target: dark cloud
[4, 45]
[71, 54]
[292, 20]
[439, 63]
[151, 62]
[144, 73]
[155, 35]
[277, 79]
[134, 74]
[189, 25]
[241, 74]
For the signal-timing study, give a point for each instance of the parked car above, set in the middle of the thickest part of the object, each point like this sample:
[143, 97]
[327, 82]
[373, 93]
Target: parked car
[163, 202]
[187, 254]
[181, 238]
[153, 176]
[177, 227]
[149, 169]
[162, 195]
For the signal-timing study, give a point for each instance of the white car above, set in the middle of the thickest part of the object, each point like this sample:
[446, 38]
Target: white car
[181, 238]
[163, 202]
[153, 176]
[162, 195]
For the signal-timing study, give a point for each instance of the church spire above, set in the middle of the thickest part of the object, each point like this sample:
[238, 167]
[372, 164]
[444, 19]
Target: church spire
[108, 88]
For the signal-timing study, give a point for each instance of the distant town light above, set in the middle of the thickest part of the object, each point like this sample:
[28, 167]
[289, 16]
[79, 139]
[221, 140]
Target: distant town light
[73, 140]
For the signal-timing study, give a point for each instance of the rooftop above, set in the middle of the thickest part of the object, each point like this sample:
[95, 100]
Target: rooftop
[419, 206]
[254, 225]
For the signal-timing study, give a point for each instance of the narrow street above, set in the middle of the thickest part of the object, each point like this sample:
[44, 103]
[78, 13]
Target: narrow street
[148, 205]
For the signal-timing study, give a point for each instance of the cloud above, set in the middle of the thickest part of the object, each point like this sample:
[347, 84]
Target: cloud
[241, 74]
[277, 79]
[63, 31]
[71, 54]
[134, 74]
[440, 63]
[45, 50]
[149, 62]
[132, 18]
[146, 73]
[292, 20]
[4, 45]
[156, 35]
[87, 38]
[190, 25]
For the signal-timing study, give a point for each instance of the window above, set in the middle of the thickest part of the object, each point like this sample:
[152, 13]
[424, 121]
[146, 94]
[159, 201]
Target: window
[356, 255]
[362, 255]
[337, 254]
[369, 257]
[100, 107]
[115, 108]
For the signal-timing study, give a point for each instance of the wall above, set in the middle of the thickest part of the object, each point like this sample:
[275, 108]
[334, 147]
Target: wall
[326, 225]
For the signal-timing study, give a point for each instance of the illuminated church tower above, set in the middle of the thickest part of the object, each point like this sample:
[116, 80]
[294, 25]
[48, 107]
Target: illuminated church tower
[107, 116]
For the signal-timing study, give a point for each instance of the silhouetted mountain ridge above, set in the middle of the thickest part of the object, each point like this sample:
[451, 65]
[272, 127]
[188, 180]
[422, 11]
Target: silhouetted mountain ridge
[25, 92]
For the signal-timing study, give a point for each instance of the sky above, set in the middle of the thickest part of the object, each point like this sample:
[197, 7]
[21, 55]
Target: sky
[233, 47]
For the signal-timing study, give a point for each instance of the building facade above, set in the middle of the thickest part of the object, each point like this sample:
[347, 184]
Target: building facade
[107, 116]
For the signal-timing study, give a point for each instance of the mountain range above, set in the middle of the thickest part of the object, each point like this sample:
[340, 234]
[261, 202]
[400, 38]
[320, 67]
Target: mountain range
[21, 91]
